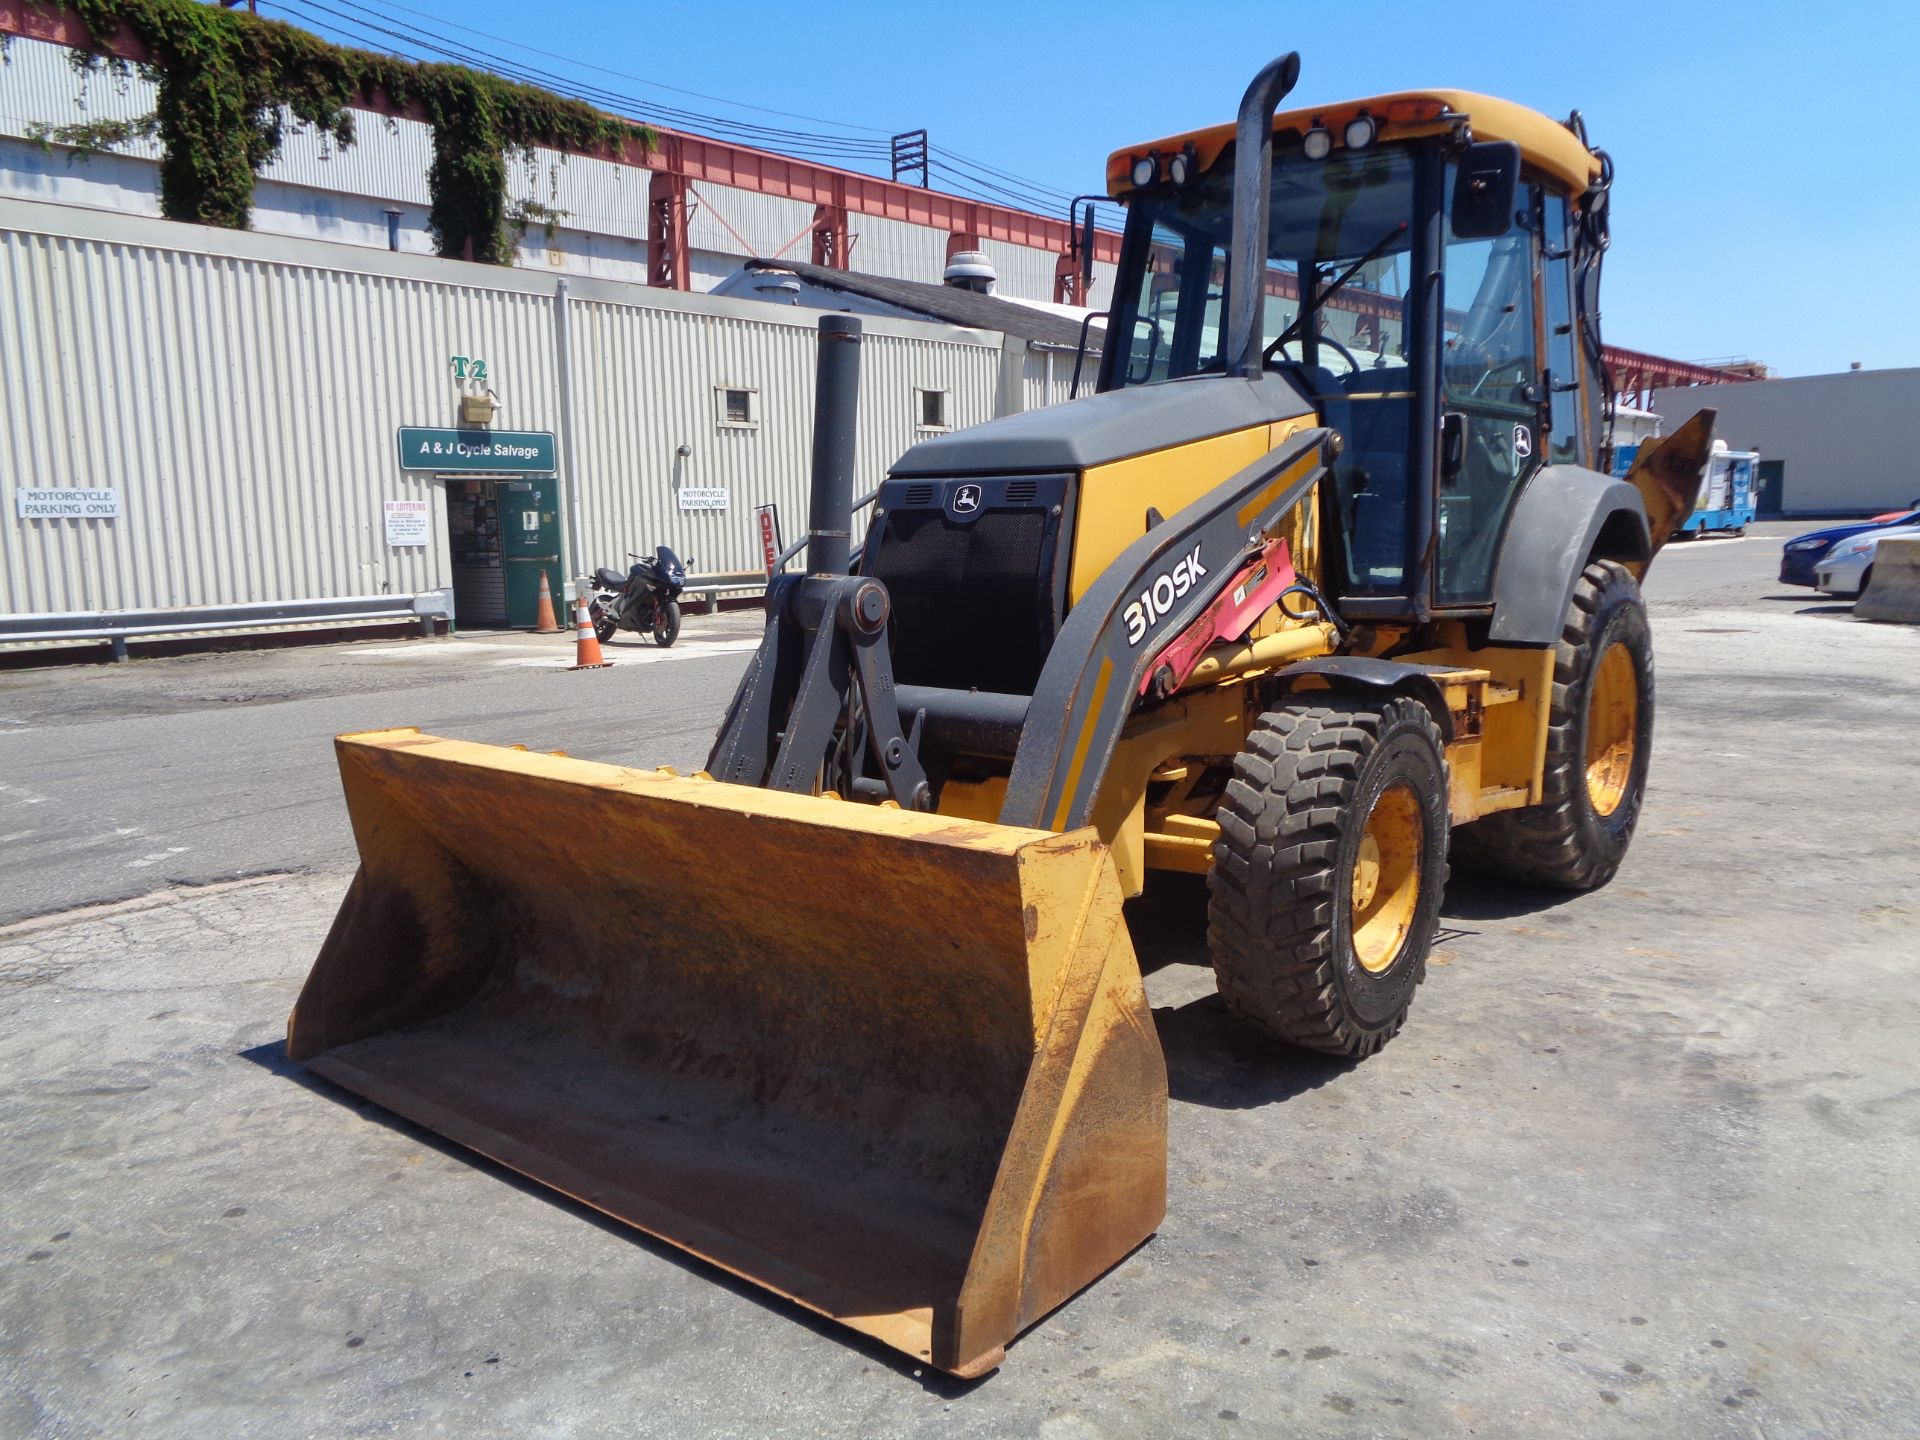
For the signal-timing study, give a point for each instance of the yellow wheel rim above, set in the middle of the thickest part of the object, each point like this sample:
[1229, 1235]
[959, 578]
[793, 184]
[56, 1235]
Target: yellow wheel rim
[1385, 885]
[1613, 719]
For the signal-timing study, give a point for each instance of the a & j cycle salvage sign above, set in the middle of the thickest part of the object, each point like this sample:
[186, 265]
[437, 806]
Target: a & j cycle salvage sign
[476, 452]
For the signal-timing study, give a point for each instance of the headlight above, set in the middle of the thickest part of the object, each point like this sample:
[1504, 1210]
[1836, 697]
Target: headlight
[1851, 547]
[1360, 132]
[1317, 144]
[1808, 544]
[1144, 169]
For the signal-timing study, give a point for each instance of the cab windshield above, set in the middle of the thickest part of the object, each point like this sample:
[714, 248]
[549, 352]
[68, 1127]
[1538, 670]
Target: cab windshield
[1326, 214]
[1348, 216]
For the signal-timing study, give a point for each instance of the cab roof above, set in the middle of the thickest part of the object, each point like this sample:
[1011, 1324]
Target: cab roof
[1545, 145]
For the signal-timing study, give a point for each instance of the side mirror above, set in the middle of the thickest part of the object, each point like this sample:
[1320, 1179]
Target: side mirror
[1485, 182]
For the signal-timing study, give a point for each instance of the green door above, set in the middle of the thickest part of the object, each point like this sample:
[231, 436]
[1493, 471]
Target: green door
[1772, 482]
[529, 545]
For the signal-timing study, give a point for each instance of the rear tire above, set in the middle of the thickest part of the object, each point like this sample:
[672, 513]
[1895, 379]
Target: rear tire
[603, 628]
[1328, 874]
[1599, 735]
[666, 624]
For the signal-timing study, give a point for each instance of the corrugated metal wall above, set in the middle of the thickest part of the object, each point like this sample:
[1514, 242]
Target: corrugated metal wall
[1048, 375]
[242, 392]
[632, 428]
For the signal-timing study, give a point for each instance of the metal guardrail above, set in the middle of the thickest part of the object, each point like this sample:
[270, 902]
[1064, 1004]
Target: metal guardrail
[712, 586]
[119, 626]
[727, 582]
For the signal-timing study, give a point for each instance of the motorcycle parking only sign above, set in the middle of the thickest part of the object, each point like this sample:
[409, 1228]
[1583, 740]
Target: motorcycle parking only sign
[696, 497]
[66, 503]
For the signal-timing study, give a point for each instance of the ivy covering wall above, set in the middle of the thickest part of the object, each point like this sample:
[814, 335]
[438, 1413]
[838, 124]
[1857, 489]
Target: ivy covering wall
[228, 81]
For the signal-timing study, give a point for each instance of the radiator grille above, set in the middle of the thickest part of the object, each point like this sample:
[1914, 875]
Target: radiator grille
[973, 604]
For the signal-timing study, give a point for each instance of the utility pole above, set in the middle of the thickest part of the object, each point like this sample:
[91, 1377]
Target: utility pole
[910, 154]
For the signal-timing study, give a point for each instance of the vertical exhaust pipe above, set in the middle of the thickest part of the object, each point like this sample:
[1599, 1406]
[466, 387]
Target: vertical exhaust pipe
[836, 413]
[1252, 195]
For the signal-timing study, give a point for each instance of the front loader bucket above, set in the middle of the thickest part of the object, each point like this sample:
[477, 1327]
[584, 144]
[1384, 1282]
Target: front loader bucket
[897, 1067]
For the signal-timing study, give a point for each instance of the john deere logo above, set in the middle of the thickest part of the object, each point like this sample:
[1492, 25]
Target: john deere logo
[966, 500]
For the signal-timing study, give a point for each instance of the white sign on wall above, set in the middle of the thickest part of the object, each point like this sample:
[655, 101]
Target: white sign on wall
[694, 497]
[409, 522]
[66, 504]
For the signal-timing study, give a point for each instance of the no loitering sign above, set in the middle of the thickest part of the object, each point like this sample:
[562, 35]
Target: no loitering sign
[66, 503]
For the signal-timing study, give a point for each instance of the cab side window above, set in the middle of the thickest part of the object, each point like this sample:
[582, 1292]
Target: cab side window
[1490, 400]
[1563, 373]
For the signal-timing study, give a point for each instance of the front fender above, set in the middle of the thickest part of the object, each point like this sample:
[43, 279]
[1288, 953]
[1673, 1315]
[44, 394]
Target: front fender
[1566, 516]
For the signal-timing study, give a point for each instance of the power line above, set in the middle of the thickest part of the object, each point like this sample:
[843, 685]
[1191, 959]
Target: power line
[744, 131]
[838, 146]
[637, 79]
[972, 178]
[1029, 193]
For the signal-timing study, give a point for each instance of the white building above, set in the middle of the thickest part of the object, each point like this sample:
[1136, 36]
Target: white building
[1846, 444]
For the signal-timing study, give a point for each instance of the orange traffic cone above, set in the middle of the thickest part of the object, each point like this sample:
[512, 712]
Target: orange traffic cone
[543, 621]
[586, 654]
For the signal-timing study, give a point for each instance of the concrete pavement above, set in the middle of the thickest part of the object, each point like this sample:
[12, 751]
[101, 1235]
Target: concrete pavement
[117, 779]
[1640, 1164]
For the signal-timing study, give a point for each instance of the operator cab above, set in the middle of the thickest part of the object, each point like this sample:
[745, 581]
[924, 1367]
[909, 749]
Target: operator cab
[1423, 257]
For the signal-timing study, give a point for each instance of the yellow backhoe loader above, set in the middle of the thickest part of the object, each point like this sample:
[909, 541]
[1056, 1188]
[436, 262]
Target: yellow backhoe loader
[1325, 579]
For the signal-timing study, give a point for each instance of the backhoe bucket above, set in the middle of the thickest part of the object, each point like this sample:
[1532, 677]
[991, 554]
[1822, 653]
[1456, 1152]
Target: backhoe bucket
[898, 1067]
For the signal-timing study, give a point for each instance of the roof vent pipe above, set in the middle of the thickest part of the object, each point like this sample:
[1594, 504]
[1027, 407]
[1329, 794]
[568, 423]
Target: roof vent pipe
[1252, 194]
[971, 270]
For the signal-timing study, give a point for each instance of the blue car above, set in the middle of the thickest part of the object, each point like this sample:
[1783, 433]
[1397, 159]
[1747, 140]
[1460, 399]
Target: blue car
[1800, 555]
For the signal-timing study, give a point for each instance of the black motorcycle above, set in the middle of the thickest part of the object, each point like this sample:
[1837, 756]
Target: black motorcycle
[646, 600]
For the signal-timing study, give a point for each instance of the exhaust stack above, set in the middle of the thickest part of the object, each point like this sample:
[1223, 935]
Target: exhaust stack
[1252, 196]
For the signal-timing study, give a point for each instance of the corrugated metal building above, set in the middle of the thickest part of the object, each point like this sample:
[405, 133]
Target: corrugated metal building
[316, 190]
[1844, 444]
[242, 393]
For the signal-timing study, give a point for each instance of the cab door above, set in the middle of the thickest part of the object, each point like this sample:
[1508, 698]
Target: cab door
[1492, 431]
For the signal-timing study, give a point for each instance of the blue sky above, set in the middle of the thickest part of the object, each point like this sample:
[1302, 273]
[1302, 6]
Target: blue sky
[1767, 201]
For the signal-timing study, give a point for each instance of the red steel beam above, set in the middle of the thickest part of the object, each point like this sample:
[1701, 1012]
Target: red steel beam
[697, 157]
[723, 163]
[1653, 372]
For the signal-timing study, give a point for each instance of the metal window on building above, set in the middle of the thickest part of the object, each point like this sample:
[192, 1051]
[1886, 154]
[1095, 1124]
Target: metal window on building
[737, 409]
[932, 410]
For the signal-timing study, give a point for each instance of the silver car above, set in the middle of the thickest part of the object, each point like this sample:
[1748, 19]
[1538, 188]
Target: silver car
[1843, 571]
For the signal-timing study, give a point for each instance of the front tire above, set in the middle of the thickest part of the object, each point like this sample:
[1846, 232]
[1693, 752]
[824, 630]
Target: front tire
[1599, 735]
[666, 624]
[1328, 874]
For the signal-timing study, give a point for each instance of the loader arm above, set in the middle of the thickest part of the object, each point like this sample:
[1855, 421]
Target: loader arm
[1112, 638]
